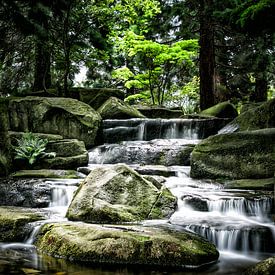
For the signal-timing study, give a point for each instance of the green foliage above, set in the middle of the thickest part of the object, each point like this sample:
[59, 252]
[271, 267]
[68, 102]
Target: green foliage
[32, 148]
[140, 98]
[158, 65]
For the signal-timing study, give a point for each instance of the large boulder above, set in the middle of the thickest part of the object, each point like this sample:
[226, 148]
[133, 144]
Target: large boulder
[119, 194]
[265, 267]
[240, 155]
[14, 223]
[115, 108]
[5, 146]
[134, 245]
[67, 117]
[221, 110]
[256, 118]
[95, 97]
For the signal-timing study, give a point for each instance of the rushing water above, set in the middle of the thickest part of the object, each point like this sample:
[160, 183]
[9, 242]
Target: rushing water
[237, 221]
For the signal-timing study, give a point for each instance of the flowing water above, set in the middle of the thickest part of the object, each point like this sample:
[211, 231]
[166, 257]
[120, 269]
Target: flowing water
[238, 222]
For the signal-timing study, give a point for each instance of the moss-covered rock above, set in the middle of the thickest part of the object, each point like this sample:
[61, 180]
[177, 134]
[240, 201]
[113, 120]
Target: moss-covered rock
[95, 97]
[115, 108]
[46, 173]
[125, 245]
[256, 118]
[221, 110]
[5, 146]
[14, 222]
[251, 184]
[266, 267]
[119, 194]
[67, 117]
[241, 155]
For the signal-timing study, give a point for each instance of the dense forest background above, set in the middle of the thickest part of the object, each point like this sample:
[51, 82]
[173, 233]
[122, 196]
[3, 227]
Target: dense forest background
[186, 53]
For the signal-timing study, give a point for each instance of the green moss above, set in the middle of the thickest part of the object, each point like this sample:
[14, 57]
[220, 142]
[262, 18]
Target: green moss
[221, 110]
[115, 108]
[125, 245]
[237, 156]
[252, 184]
[46, 173]
[265, 267]
[13, 222]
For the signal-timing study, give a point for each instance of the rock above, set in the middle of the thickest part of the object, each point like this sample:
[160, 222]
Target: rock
[67, 117]
[241, 155]
[265, 267]
[251, 184]
[159, 112]
[119, 194]
[257, 118]
[46, 173]
[14, 223]
[115, 108]
[251, 105]
[197, 203]
[131, 245]
[221, 110]
[5, 146]
[95, 97]
[25, 193]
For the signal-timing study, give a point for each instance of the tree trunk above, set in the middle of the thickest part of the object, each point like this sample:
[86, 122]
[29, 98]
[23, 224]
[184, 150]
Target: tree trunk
[42, 75]
[261, 86]
[207, 55]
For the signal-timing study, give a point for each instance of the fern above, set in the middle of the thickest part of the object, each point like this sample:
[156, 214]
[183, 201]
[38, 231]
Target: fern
[31, 148]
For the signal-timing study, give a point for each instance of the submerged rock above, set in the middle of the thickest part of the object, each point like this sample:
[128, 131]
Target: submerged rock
[119, 194]
[67, 117]
[240, 155]
[14, 223]
[221, 110]
[25, 192]
[125, 245]
[115, 108]
[266, 267]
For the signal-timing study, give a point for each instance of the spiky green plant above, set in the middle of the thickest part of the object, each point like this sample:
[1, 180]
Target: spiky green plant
[31, 148]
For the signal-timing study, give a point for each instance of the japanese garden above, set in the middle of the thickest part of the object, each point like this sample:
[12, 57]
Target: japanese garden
[137, 137]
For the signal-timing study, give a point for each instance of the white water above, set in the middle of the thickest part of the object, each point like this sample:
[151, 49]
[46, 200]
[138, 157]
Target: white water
[234, 220]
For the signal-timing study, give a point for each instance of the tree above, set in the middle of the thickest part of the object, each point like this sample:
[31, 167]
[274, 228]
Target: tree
[158, 66]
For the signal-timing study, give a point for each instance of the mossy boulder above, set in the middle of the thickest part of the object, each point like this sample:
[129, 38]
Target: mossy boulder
[95, 97]
[221, 110]
[115, 108]
[159, 112]
[67, 117]
[14, 222]
[5, 146]
[265, 267]
[257, 118]
[131, 245]
[46, 173]
[119, 194]
[240, 155]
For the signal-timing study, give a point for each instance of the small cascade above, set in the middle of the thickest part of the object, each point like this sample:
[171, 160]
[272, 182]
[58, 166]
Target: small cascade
[234, 220]
[162, 152]
[148, 129]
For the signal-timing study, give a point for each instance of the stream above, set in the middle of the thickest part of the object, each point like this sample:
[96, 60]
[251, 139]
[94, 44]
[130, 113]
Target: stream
[238, 222]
